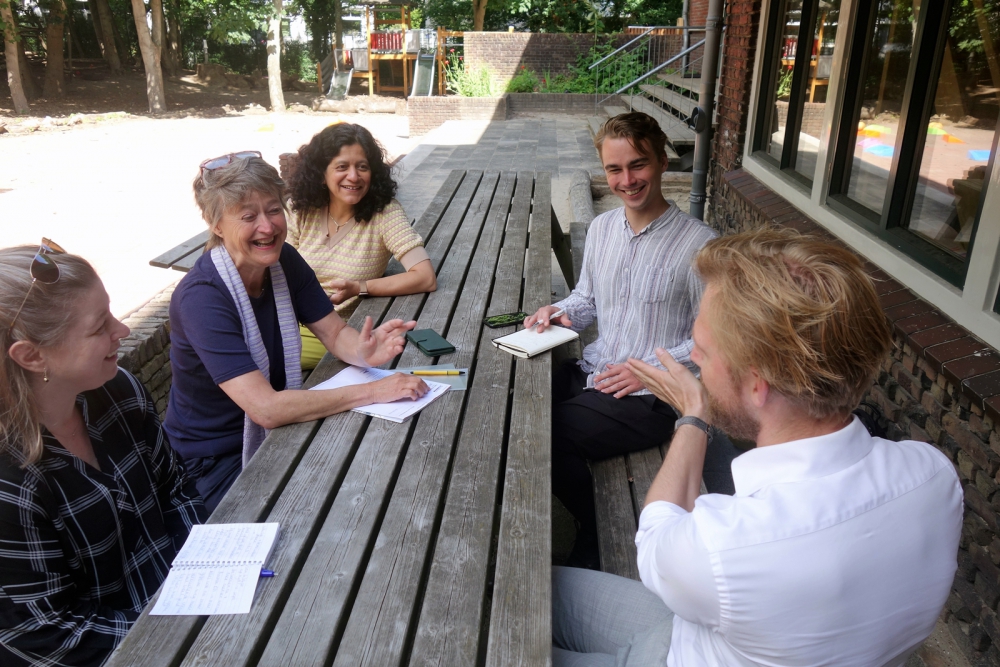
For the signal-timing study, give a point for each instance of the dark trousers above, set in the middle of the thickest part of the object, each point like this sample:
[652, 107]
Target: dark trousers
[589, 425]
[213, 475]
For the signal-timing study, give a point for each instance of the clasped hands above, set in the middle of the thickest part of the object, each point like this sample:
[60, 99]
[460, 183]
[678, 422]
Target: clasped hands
[342, 290]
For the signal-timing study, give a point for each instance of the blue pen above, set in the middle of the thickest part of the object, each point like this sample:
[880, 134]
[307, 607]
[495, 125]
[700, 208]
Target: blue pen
[266, 573]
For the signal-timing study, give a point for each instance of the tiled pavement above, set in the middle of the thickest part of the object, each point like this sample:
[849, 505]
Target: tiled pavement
[557, 145]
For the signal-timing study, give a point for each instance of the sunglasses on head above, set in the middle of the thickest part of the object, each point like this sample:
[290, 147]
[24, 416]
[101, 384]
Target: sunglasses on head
[41, 270]
[223, 160]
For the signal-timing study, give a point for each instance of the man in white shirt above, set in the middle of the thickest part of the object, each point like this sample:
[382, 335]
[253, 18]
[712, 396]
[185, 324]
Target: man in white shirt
[838, 548]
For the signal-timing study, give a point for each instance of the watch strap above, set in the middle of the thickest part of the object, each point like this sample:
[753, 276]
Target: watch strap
[363, 289]
[697, 423]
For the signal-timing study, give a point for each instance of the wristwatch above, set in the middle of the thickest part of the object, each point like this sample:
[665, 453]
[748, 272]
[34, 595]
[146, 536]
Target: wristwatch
[363, 289]
[697, 423]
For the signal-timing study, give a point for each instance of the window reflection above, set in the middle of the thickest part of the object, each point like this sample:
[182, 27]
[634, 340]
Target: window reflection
[960, 134]
[817, 84]
[788, 38]
[883, 84]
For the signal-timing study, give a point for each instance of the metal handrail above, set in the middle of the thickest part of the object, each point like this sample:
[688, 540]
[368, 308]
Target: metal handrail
[637, 38]
[658, 68]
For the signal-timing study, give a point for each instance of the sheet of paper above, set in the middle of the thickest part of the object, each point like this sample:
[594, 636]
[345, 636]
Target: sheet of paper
[456, 382]
[202, 591]
[228, 542]
[397, 411]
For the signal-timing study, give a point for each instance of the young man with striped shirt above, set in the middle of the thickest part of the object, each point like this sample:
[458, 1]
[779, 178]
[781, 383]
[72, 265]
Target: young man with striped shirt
[637, 281]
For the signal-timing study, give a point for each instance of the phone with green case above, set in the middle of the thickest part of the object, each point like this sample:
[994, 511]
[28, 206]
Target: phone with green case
[430, 342]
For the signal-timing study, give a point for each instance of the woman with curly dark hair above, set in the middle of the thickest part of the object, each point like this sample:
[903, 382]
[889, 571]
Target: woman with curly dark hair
[346, 224]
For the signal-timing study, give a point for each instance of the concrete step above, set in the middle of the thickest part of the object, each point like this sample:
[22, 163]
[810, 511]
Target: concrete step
[614, 110]
[678, 133]
[673, 99]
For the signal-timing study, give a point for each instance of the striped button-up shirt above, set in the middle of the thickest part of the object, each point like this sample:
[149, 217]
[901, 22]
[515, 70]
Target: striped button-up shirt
[641, 287]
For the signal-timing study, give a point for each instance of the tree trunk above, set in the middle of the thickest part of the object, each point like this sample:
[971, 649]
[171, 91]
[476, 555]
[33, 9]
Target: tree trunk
[166, 57]
[274, 58]
[10, 41]
[55, 32]
[174, 33]
[151, 52]
[96, 22]
[478, 14]
[338, 23]
[27, 79]
[107, 35]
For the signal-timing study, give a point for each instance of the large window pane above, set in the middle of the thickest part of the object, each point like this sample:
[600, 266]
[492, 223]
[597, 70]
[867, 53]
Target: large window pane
[817, 84]
[787, 38]
[890, 41]
[960, 134]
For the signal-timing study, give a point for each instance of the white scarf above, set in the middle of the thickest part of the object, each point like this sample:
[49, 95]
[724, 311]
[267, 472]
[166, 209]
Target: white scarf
[254, 434]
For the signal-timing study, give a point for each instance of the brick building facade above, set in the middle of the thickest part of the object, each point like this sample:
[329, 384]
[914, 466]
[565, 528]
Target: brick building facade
[941, 384]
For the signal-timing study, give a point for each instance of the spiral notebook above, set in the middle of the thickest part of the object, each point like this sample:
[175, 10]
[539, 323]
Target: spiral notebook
[217, 570]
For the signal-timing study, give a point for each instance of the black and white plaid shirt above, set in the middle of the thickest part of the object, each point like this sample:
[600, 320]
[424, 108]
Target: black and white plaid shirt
[82, 551]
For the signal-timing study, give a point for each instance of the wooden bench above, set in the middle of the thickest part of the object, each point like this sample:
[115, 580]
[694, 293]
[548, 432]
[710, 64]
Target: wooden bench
[423, 543]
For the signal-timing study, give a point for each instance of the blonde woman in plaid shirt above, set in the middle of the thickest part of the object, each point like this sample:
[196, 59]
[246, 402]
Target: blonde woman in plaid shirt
[93, 502]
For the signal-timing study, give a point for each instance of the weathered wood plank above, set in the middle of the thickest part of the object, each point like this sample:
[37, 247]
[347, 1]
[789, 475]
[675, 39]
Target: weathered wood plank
[616, 523]
[442, 200]
[521, 618]
[562, 247]
[643, 467]
[377, 631]
[186, 263]
[170, 257]
[448, 629]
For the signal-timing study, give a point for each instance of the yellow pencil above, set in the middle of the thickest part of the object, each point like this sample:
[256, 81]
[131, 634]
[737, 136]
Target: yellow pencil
[437, 372]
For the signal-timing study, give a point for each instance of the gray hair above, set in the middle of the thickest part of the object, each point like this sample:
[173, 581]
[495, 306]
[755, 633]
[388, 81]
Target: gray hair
[43, 320]
[218, 190]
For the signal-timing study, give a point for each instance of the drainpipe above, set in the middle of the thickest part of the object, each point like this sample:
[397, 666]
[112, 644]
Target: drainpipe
[685, 34]
[701, 119]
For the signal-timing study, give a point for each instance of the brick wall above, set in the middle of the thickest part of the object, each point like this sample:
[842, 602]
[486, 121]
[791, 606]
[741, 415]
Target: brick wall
[812, 116]
[572, 103]
[742, 19]
[426, 113]
[146, 351]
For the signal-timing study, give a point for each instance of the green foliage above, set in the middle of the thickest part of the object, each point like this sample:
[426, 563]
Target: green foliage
[579, 16]
[525, 81]
[467, 83]
[784, 85]
[298, 60]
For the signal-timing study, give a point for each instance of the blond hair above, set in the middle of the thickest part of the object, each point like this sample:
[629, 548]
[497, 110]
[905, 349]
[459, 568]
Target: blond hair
[218, 190]
[43, 320]
[637, 128]
[801, 311]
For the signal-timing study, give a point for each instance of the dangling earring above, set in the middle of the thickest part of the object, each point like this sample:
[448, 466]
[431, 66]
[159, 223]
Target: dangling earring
[45, 375]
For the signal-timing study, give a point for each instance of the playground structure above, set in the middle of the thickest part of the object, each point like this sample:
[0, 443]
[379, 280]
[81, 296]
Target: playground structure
[420, 53]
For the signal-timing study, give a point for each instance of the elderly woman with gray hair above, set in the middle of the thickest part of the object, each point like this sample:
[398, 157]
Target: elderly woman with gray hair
[235, 342]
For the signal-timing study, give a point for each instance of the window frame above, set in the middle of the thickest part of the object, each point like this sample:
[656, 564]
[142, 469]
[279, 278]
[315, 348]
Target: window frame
[970, 305]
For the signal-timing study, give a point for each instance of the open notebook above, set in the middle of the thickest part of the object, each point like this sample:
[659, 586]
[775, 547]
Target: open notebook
[526, 343]
[217, 570]
[397, 411]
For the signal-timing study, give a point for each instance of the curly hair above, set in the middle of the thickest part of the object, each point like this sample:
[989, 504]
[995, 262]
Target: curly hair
[307, 185]
[801, 311]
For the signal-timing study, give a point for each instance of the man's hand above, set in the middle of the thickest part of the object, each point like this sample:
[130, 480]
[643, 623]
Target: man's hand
[344, 290]
[398, 386]
[382, 344]
[618, 380]
[676, 385]
[544, 315]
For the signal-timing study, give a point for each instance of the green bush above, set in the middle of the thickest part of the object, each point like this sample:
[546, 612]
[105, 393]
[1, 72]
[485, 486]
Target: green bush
[525, 81]
[467, 83]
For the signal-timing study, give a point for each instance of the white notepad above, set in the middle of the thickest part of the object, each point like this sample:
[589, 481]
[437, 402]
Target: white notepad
[527, 343]
[397, 411]
[217, 570]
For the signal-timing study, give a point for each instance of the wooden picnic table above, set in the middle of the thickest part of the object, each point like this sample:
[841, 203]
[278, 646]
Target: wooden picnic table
[422, 543]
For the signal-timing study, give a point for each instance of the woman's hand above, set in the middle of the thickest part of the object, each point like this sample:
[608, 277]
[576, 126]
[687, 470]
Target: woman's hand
[398, 386]
[676, 385]
[544, 315]
[377, 346]
[344, 290]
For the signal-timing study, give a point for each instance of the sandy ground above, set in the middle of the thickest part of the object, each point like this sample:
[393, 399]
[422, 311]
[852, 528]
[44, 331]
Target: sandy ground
[118, 192]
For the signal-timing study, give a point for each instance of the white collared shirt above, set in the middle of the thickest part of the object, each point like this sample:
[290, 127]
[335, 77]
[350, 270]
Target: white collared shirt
[835, 550]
